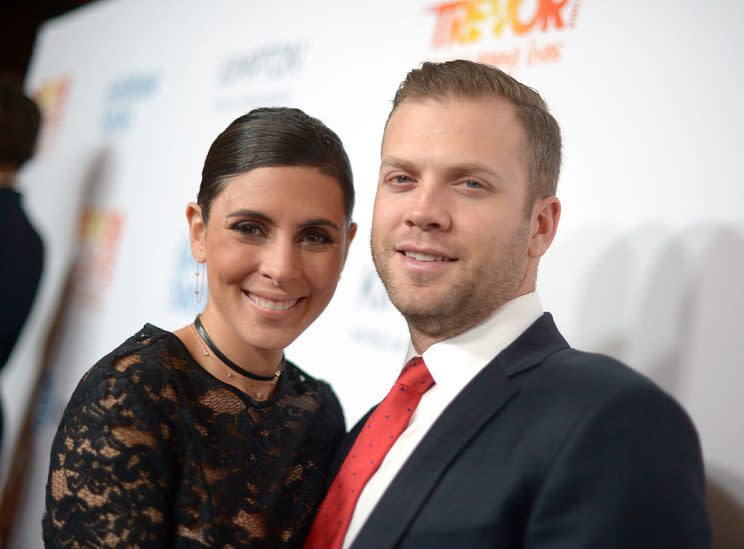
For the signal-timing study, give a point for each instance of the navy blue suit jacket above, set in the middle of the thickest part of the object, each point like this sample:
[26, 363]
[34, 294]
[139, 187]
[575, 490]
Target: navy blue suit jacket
[551, 448]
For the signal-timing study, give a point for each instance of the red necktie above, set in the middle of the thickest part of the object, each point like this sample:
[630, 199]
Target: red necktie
[383, 427]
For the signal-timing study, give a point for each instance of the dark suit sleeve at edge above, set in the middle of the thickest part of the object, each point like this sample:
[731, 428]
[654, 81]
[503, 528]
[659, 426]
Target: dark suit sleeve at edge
[631, 475]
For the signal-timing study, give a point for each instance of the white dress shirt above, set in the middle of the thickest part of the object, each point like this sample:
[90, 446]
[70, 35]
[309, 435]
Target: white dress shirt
[453, 363]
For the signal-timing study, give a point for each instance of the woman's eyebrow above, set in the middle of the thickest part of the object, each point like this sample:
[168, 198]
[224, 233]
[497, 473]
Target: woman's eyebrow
[319, 221]
[254, 214]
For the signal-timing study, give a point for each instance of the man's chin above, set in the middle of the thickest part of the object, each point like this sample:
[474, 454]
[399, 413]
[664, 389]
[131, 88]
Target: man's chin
[433, 327]
[417, 315]
[422, 303]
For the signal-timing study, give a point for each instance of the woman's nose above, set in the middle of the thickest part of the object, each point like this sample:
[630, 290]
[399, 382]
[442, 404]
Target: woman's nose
[281, 262]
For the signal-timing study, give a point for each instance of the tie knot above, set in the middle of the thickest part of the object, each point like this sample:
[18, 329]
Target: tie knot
[415, 375]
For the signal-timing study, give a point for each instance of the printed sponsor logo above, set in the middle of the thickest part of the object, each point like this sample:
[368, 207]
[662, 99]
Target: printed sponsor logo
[372, 326]
[51, 96]
[507, 33]
[183, 298]
[122, 98]
[272, 62]
[371, 293]
[100, 232]
[264, 76]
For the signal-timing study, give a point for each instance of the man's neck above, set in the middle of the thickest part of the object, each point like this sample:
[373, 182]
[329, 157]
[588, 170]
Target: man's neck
[422, 339]
[421, 342]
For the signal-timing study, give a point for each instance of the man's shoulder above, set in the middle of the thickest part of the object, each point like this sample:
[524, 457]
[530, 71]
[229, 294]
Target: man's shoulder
[541, 354]
[579, 384]
[571, 366]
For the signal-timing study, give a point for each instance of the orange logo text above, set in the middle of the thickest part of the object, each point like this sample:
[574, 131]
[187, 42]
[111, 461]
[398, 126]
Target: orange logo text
[52, 98]
[470, 21]
[100, 231]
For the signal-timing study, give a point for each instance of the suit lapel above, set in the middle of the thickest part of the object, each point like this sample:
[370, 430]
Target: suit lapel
[531, 348]
[481, 399]
[421, 472]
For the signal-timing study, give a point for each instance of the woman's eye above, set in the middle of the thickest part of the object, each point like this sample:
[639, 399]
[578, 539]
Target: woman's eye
[316, 236]
[249, 229]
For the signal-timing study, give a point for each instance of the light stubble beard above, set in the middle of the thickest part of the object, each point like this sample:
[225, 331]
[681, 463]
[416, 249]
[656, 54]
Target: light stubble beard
[470, 300]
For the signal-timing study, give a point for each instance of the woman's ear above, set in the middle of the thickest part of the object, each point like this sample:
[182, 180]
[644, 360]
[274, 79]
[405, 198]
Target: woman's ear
[197, 232]
[350, 234]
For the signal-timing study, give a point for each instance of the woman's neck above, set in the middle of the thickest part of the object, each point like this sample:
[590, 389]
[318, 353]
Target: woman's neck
[260, 361]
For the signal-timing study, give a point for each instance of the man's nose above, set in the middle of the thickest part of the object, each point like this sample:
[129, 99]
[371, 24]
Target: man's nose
[429, 208]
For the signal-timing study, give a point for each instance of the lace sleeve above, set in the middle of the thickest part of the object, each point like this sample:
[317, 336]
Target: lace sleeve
[110, 471]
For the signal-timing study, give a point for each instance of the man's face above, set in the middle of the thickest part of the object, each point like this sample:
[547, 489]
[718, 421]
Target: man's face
[449, 234]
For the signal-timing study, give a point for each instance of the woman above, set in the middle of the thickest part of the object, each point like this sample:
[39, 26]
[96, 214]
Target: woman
[207, 436]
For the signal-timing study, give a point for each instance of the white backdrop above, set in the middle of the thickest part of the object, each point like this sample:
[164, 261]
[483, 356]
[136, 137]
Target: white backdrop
[647, 266]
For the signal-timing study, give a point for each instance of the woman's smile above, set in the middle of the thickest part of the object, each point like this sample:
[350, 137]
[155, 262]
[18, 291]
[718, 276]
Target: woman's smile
[268, 304]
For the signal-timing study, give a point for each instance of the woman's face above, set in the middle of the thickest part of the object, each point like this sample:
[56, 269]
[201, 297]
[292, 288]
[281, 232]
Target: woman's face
[275, 244]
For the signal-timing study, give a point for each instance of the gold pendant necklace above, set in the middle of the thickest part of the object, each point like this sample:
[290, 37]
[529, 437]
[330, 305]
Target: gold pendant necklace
[258, 394]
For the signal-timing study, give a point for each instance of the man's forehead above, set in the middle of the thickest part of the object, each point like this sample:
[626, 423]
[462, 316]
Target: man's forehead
[487, 103]
[420, 117]
[470, 123]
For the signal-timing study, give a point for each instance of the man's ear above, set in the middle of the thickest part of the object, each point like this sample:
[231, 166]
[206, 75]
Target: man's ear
[546, 213]
[197, 232]
[350, 234]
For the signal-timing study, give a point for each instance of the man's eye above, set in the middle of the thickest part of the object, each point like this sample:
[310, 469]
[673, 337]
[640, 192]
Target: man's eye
[473, 184]
[401, 179]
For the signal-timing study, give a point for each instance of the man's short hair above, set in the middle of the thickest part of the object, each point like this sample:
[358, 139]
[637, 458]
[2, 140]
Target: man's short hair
[461, 79]
[20, 119]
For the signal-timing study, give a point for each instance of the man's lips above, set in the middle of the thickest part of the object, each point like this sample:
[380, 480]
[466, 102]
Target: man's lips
[269, 304]
[426, 256]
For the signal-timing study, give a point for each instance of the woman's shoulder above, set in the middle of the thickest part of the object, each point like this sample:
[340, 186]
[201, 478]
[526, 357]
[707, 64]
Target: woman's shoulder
[141, 364]
[315, 399]
[304, 385]
[304, 382]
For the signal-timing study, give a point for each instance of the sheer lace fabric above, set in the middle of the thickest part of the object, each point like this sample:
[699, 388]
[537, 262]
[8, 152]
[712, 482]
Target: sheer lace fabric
[153, 451]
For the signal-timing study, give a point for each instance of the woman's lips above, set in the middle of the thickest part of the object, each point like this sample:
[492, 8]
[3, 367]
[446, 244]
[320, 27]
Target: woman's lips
[271, 304]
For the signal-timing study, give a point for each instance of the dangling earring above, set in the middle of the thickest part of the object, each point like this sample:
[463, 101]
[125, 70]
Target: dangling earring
[198, 282]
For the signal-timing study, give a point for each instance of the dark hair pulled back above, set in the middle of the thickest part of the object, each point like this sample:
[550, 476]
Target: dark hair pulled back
[276, 136]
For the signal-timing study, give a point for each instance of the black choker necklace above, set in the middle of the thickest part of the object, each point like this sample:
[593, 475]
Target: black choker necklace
[229, 363]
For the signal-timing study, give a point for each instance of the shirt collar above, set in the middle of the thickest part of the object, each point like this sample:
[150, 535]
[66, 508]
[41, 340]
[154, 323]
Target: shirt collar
[455, 361]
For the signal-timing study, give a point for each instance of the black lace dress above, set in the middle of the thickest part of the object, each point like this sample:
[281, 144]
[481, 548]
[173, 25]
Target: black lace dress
[153, 451]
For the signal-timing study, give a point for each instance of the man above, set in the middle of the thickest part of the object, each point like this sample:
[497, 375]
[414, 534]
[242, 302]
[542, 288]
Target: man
[520, 441]
[21, 249]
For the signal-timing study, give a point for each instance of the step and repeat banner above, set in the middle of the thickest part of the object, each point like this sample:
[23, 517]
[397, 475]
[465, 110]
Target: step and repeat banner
[647, 266]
